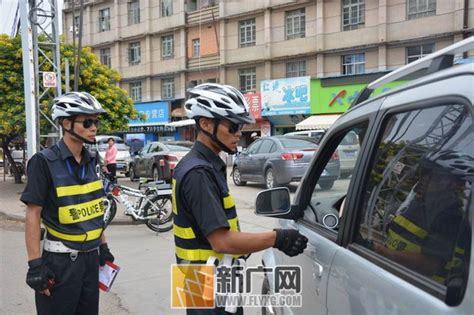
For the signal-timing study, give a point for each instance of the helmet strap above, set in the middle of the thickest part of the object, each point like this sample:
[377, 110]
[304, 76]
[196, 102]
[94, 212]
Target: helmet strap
[74, 134]
[214, 138]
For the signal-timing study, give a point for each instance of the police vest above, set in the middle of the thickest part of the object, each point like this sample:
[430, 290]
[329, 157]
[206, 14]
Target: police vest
[79, 222]
[191, 245]
[404, 235]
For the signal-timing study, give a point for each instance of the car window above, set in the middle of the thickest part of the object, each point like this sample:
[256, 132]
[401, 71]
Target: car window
[156, 148]
[417, 198]
[330, 189]
[298, 144]
[177, 148]
[265, 147]
[145, 149]
[316, 135]
[253, 149]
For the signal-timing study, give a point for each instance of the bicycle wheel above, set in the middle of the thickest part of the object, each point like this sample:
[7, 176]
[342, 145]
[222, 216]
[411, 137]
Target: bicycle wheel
[160, 208]
[110, 210]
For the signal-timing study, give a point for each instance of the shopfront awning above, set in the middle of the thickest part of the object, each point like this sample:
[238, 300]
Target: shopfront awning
[317, 122]
[182, 123]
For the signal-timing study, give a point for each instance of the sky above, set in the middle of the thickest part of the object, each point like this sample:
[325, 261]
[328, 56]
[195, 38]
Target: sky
[7, 14]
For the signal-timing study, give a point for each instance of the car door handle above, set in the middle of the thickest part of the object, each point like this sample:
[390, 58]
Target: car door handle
[318, 270]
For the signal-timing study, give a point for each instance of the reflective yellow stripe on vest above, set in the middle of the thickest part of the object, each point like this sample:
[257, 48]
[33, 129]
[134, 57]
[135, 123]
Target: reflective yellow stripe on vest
[188, 233]
[229, 202]
[89, 236]
[198, 254]
[173, 200]
[79, 189]
[81, 212]
[410, 226]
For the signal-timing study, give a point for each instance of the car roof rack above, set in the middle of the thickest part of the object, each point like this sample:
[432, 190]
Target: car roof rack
[437, 61]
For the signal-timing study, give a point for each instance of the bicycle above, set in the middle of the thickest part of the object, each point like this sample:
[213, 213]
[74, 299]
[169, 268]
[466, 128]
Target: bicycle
[151, 204]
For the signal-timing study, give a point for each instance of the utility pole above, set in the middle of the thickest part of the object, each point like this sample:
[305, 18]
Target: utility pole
[40, 40]
[28, 75]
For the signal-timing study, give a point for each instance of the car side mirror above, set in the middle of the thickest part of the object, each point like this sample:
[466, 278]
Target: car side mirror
[273, 202]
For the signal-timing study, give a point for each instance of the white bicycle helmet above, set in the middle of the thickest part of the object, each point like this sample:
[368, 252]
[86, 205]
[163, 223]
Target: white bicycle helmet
[75, 103]
[218, 101]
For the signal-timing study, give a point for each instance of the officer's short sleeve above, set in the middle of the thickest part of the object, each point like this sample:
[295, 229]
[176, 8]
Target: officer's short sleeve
[36, 189]
[201, 195]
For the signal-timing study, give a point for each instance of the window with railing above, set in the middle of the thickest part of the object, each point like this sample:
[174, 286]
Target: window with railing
[421, 8]
[247, 33]
[104, 20]
[166, 7]
[353, 64]
[248, 79]
[105, 57]
[167, 88]
[167, 46]
[196, 47]
[295, 69]
[136, 91]
[295, 24]
[134, 12]
[353, 14]
[134, 53]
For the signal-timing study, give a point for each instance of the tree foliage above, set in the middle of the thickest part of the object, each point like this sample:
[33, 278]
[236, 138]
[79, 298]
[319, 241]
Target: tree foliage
[95, 78]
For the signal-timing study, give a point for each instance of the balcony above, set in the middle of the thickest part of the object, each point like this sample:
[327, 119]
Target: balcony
[205, 15]
[206, 62]
[68, 3]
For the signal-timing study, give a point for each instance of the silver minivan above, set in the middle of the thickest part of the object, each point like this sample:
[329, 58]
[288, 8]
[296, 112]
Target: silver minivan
[395, 237]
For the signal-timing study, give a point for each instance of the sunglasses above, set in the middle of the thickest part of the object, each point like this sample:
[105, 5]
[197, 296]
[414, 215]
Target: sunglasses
[233, 127]
[87, 123]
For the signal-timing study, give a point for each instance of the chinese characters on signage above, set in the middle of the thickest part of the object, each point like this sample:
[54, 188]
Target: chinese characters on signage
[155, 112]
[288, 96]
[253, 100]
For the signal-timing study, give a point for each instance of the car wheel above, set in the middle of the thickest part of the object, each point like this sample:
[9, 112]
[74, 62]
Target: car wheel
[237, 177]
[345, 174]
[131, 174]
[326, 185]
[155, 174]
[270, 180]
[269, 309]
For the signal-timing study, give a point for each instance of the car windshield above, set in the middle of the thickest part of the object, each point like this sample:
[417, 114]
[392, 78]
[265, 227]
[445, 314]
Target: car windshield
[350, 139]
[298, 144]
[177, 148]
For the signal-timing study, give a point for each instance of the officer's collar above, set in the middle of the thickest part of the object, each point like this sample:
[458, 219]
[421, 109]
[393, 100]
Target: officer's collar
[210, 155]
[66, 153]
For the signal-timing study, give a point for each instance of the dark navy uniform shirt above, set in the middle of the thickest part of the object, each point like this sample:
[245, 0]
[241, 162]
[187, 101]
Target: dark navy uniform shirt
[201, 194]
[39, 189]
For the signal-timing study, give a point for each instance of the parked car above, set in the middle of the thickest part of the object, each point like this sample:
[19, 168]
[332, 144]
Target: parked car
[157, 160]
[279, 160]
[397, 237]
[348, 148]
[123, 151]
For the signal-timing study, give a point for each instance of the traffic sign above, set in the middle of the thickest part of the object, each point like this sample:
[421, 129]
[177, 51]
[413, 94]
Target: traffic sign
[49, 79]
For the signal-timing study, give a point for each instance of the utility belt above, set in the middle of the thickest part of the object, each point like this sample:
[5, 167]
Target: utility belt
[59, 248]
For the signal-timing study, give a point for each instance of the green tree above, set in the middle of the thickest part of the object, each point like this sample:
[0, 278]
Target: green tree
[95, 78]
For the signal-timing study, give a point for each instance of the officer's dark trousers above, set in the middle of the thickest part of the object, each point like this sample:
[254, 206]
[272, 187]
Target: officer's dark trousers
[76, 290]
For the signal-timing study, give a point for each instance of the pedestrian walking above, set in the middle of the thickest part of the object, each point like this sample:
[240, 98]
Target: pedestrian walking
[65, 194]
[206, 221]
[111, 159]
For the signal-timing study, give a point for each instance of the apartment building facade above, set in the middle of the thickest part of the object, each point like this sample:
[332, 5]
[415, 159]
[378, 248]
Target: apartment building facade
[162, 47]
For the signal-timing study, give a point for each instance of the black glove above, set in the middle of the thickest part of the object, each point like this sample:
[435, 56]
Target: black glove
[105, 254]
[39, 276]
[290, 241]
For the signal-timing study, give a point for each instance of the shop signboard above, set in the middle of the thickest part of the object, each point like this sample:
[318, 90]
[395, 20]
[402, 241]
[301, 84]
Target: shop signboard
[288, 96]
[337, 99]
[253, 100]
[156, 114]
